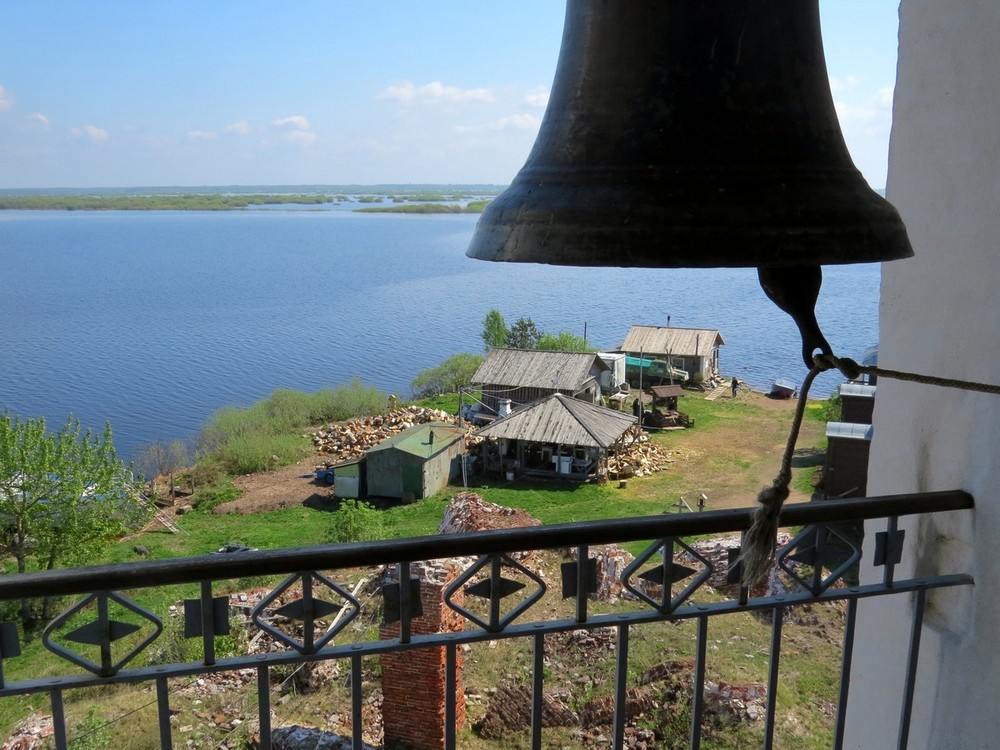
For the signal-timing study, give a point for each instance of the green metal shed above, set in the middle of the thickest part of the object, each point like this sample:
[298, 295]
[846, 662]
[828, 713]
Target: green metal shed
[417, 462]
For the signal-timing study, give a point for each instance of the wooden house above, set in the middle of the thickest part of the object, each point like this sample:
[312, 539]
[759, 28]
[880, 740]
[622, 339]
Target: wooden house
[526, 375]
[556, 436]
[415, 463]
[693, 350]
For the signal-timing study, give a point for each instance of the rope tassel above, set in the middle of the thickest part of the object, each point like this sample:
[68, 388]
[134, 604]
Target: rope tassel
[761, 539]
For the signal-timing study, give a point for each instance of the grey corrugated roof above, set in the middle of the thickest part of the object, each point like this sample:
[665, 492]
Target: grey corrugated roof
[563, 420]
[857, 389]
[532, 368]
[849, 430]
[678, 342]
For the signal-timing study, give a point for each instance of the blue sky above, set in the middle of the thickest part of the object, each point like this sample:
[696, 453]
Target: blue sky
[106, 94]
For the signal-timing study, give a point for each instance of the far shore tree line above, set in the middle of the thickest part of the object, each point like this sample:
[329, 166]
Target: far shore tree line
[457, 370]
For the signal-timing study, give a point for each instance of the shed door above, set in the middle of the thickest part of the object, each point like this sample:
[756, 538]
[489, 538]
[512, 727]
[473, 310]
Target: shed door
[413, 479]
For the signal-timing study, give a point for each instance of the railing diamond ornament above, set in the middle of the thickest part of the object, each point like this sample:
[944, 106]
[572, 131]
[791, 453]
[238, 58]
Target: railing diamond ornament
[102, 632]
[307, 610]
[812, 547]
[665, 575]
[494, 588]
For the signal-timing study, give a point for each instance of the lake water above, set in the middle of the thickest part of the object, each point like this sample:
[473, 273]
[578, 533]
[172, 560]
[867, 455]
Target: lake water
[153, 320]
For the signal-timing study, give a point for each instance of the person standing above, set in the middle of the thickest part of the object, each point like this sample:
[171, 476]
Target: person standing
[735, 385]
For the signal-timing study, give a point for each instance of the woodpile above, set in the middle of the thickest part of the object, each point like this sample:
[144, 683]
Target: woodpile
[346, 441]
[639, 456]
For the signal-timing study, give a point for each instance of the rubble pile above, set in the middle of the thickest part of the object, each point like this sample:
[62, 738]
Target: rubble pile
[345, 441]
[639, 456]
[468, 511]
[32, 733]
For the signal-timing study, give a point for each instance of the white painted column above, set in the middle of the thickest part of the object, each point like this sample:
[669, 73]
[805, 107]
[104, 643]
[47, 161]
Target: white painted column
[940, 315]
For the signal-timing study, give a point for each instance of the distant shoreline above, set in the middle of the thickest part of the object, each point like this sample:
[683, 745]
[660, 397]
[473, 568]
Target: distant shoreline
[422, 201]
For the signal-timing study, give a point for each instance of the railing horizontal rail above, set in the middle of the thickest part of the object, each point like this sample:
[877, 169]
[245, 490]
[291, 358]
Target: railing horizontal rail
[124, 576]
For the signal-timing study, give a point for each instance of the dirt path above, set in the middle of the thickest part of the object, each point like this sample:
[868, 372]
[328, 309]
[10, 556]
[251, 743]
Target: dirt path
[284, 488]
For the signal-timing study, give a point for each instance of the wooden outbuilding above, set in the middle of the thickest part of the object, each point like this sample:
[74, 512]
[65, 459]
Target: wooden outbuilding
[693, 350]
[555, 436]
[415, 463]
[523, 376]
[846, 472]
[857, 402]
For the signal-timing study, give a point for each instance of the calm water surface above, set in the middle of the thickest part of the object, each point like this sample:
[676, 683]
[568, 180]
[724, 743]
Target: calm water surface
[153, 320]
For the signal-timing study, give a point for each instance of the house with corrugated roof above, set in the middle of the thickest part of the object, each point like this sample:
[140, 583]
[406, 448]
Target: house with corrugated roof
[555, 436]
[694, 351]
[526, 375]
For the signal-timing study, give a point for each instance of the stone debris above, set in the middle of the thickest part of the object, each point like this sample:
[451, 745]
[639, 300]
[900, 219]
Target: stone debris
[468, 511]
[509, 710]
[306, 738]
[345, 441]
[32, 733]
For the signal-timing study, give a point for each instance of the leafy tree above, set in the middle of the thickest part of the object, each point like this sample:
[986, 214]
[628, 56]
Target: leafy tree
[564, 341]
[494, 330]
[63, 495]
[447, 377]
[163, 459]
[524, 334]
[356, 521]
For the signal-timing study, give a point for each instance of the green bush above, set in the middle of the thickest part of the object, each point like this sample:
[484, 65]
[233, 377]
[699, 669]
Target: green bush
[245, 454]
[356, 521]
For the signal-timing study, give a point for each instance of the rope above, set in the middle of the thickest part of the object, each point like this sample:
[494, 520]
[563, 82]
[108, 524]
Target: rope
[760, 540]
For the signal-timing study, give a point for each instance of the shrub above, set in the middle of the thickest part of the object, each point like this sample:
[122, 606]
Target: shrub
[356, 521]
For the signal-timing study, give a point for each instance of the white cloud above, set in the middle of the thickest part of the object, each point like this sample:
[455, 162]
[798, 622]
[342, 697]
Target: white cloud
[39, 120]
[300, 137]
[537, 97]
[91, 133]
[407, 92]
[510, 122]
[242, 127]
[6, 100]
[202, 135]
[298, 122]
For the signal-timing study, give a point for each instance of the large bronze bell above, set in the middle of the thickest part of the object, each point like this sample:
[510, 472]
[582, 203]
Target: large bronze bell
[691, 133]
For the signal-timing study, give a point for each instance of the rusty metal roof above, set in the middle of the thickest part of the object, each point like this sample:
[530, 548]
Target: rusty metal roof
[533, 368]
[677, 342]
[562, 420]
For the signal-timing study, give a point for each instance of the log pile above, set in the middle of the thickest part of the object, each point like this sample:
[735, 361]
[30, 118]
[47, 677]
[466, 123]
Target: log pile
[639, 456]
[346, 441]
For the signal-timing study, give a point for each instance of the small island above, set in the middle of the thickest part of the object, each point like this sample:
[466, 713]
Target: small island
[165, 202]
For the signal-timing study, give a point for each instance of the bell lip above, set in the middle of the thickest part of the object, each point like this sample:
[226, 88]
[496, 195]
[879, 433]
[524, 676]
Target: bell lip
[839, 221]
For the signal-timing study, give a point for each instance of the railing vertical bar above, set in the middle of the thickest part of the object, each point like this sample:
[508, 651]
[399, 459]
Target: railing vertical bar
[698, 695]
[496, 575]
[308, 624]
[163, 712]
[357, 720]
[450, 696]
[777, 620]
[845, 673]
[911, 668]
[536, 691]
[621, 687]
[58, 720]
[104, 623]
[264, 705]
[207, 623]
[582, 581]
[405, 603]
[891, 529]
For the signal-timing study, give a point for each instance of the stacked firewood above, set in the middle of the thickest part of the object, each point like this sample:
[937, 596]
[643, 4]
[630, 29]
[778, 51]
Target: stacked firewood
[639, 456]
[345, 441]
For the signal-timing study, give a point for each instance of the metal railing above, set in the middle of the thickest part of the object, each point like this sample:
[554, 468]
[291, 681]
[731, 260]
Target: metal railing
[110, 630]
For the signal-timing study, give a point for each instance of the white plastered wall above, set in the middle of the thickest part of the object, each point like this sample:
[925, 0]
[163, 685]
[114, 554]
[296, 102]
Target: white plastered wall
[940, 314]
